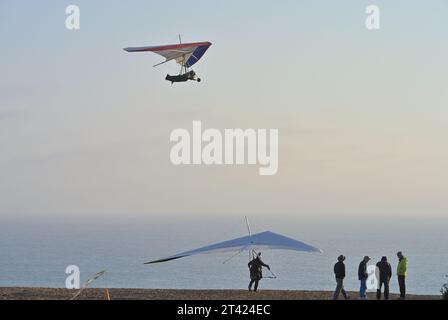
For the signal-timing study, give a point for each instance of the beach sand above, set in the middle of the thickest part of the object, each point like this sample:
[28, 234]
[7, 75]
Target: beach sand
[163, 294]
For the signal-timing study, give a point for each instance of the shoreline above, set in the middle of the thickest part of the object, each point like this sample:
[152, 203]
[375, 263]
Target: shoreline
[17, 293]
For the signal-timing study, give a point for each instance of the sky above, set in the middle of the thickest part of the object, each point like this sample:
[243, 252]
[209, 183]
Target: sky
[362, 115]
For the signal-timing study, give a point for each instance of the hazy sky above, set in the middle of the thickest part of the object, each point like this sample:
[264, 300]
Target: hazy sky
[362, 115]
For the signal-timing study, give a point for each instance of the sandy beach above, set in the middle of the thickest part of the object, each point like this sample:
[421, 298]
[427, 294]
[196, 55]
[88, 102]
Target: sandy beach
[163, 294]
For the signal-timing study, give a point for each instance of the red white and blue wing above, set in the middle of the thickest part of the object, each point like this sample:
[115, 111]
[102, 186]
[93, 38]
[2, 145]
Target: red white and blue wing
[186, 54]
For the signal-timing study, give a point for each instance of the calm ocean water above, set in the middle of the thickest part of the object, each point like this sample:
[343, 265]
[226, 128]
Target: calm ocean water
[35, 253]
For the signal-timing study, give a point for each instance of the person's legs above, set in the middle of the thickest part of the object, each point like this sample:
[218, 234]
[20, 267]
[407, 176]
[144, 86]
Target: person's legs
[256, 285]
[360, 289]
[250, 284]
[338, 289]
[404, 287]
[378, 291]
[363, 289]
[402, 284]
[343, 290]
[386, 290]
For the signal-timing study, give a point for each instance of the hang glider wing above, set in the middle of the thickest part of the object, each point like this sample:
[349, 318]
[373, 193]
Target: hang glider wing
[186, 54]
[265, 240]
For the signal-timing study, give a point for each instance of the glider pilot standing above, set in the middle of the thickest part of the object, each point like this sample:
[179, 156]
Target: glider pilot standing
[255, 268]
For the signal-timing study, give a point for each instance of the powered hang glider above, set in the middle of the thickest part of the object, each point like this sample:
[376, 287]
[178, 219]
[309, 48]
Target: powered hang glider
[185, 54]
[264, 240]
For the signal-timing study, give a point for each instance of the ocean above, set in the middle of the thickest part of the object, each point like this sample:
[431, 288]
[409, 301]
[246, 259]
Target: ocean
[35, 252]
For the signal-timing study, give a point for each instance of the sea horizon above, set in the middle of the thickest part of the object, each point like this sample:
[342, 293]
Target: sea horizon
[36, 253]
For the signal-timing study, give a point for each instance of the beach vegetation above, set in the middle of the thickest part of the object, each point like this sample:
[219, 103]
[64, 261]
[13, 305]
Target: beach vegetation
[444, 290]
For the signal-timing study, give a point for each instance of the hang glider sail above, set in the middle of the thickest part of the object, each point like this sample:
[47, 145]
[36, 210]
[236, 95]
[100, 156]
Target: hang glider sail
[185, 54]
[259, 241]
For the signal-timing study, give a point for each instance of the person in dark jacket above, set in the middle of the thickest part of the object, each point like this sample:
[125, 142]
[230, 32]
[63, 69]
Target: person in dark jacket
[363, 276]
[339, 272]
[190, 75]
[255, 269]
[384, 274]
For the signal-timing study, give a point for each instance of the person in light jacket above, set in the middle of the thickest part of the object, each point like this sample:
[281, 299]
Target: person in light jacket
[402, 272]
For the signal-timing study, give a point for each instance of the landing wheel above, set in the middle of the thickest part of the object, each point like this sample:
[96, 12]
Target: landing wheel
[199, 80]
